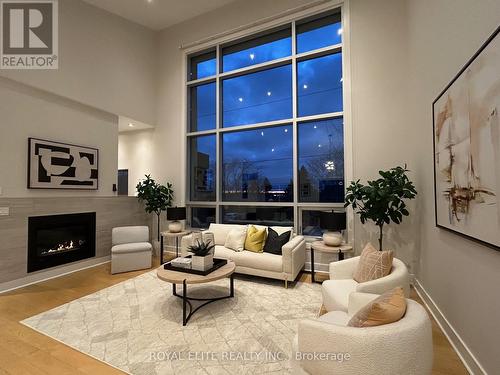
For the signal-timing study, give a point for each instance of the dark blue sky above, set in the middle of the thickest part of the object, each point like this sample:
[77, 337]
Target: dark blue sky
[266, 96]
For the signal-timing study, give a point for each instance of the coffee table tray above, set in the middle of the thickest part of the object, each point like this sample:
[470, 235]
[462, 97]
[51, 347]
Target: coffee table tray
[218, 263]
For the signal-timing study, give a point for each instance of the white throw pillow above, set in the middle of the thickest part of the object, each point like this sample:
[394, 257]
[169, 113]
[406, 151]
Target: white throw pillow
[235, 239]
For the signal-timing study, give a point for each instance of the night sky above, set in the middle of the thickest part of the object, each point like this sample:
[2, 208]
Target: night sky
[266, 96]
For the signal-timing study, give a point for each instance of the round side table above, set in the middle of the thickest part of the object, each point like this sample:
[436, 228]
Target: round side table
[320, 246]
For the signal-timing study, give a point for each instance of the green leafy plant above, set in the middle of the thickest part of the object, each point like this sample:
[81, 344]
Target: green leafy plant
[201, 249]
[382, 200]
[156, 197]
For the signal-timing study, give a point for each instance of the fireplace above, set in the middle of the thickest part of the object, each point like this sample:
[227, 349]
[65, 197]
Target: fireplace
[60, 239]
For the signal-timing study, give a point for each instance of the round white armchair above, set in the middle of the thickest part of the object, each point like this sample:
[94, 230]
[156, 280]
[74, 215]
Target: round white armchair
[402, 347]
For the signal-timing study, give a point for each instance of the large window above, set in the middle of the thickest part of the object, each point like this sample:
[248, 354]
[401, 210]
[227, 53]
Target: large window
[265, 126]
[258, 165]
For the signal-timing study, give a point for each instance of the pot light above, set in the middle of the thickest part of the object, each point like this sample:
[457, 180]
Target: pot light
[130, 125]
[305, 86]
[269, 93]
[252, 56]
[272, 150]
[286, 130]
[240, 99]
[330, 166]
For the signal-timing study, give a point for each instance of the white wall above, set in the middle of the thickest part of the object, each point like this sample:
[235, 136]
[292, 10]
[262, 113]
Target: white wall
[461, 276]
[104, 61]
[380, 94]
[28, 112]
[136, 153]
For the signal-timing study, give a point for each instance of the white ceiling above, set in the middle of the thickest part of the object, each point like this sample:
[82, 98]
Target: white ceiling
[126, 124]
[158, 14]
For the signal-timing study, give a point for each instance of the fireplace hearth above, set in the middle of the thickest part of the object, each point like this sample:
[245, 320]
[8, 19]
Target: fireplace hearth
[59, 239]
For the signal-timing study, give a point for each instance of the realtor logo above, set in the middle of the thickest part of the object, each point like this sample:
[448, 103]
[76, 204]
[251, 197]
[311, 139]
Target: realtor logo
[29, 34]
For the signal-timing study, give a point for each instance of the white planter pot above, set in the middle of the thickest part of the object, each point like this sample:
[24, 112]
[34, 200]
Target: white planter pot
[202, 263]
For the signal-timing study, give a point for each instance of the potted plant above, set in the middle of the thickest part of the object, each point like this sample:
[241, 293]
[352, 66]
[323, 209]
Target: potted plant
[382, 200]
[203, 255]
[156, 197]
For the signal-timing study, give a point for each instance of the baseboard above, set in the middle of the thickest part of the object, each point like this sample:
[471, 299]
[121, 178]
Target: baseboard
[469, 360]
[52, 273]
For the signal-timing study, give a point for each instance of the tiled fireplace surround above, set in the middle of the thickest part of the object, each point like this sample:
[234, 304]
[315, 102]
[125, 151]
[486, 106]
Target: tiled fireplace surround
[110, 212]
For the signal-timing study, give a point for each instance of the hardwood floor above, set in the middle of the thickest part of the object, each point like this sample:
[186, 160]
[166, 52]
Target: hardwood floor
[24, 351]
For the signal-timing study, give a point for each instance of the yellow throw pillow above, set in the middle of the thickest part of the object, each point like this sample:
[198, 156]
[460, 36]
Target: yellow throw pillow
[388, 308]
[255, 239]
[373, 264]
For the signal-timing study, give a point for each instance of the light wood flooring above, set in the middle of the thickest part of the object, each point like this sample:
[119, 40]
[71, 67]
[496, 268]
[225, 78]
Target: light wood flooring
[24, 351]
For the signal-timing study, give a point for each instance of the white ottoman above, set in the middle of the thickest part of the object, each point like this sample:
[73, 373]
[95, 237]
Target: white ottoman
[131, 249]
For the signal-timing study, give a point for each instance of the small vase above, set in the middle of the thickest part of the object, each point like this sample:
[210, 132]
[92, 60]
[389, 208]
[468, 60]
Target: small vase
[202, 263]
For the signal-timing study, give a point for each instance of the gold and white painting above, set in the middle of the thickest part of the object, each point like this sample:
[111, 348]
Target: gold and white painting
[467, 148]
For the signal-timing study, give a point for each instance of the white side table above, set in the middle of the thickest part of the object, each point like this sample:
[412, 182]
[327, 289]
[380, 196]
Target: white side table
[320, 246]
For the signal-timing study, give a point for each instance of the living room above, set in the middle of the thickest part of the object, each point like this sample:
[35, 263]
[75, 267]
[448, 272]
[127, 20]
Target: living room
[271, 148]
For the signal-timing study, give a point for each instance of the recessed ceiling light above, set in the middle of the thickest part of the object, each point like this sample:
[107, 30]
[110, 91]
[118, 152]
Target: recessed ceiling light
[286, 130]
[252, 56]
[130, 125]
[272, 150]
[262, 133]
[269, 93]
[305, 86]
[240, 99]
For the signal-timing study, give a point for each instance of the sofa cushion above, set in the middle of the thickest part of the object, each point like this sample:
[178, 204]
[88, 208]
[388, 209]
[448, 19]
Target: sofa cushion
[387, 308]
[221, 231]
[339, 318]
[223, 252]
[373, 264]
[255, 239]
[275, 241]
[136, 247]
[261, 261]
[336, 293]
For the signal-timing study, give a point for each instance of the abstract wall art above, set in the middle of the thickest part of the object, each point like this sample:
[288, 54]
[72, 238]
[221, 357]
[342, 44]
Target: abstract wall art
[467, 148]
[55, 165]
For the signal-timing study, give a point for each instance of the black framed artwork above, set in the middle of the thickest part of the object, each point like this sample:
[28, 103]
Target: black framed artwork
[56, 165]
[466, 126]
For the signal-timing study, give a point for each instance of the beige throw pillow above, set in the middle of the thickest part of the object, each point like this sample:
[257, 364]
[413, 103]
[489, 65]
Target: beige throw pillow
[235, 239]
[388, 308]
[373, 264]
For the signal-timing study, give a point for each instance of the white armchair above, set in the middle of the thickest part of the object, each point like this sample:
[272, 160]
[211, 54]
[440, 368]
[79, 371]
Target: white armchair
[131, 249]
[402, 347]
[336, 290]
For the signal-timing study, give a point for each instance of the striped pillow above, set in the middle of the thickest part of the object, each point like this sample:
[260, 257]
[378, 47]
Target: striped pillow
[373, 264]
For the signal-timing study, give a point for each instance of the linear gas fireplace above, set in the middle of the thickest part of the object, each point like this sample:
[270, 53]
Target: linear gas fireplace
[60, 239]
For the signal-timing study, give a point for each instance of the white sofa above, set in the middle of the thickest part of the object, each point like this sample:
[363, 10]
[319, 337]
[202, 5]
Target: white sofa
[283, 267]
[336, 290]
[402, 347]
[131, 249]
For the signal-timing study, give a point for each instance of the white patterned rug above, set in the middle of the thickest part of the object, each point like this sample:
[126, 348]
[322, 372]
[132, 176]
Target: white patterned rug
[136, 326]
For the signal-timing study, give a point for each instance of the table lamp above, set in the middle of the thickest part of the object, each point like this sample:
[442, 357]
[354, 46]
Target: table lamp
[174, 215]
[334, 223]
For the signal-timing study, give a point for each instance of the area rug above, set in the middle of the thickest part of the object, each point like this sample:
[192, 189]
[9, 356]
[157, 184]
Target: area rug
[136, 326]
